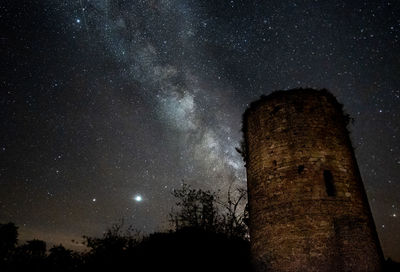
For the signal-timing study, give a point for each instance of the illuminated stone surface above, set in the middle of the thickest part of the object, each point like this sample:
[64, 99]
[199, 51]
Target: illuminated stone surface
[308, 207]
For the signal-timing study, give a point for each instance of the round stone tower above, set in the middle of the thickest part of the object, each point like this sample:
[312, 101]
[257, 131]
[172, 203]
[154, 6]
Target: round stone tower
[308, 208]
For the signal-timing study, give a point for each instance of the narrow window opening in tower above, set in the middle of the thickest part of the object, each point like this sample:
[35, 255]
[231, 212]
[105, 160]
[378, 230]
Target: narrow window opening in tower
[329, 185]
[300, 169]
[276, 109]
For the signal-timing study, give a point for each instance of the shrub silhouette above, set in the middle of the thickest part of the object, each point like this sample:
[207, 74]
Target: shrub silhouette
[30, 256]
[62, 259]
[193, 249]
[112, 251]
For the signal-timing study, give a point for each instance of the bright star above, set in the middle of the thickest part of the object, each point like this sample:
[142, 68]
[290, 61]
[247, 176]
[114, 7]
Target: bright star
[138, 198]
[78, 20]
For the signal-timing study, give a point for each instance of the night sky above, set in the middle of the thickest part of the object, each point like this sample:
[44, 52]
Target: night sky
[107, 105]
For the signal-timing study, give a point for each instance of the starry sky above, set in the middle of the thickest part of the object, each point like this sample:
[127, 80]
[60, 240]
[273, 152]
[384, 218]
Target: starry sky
[108, 105]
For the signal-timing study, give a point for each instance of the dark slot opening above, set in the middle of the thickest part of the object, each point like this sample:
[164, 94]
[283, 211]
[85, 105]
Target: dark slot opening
[329, 185]
[300, 169]
[276, 109]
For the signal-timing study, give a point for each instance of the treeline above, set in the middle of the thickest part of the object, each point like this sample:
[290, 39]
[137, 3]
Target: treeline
[207, 234]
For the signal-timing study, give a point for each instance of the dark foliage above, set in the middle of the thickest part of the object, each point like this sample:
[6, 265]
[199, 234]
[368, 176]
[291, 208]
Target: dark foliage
[391, 266]
[8, 238]
[209, 235]
[63, 260]
[197, 209]
[187, 249]
[30, 256]
[190, 249]
[205, 211]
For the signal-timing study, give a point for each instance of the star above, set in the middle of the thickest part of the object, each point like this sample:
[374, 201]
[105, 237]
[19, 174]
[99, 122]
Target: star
[138, 198]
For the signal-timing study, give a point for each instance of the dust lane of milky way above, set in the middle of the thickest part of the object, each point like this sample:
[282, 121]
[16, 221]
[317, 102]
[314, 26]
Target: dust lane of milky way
[106, 106]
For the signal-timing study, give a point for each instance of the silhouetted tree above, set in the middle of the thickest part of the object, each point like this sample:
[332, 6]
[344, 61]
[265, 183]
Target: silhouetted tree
[35, 248]
[235, 215]
[113, 240]
[205, 210]
[197, 209]
[30, 256]
[62, 259]
[8, 241]
[111, 250]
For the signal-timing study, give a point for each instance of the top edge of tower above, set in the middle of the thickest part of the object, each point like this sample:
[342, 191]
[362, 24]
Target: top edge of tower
[284, 94]
[298, 95]
[288, 95]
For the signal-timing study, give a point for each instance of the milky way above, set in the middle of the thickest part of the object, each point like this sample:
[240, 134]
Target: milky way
[107, 106]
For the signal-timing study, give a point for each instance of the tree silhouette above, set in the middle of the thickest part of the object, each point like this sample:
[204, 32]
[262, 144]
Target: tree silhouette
[8, 241]
[62, 259]
[206, 211]
[197, 209]
[30, 256]
[235, 217]
[112, 250]
[35, 248]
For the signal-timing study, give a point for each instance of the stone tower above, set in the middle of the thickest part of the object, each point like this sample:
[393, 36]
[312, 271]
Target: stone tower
[308, 207]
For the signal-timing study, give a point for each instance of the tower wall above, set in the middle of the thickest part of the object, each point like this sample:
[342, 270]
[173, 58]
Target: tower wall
[308, 207]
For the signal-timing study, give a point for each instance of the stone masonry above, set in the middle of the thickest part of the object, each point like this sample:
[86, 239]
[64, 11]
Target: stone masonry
[308, 208]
